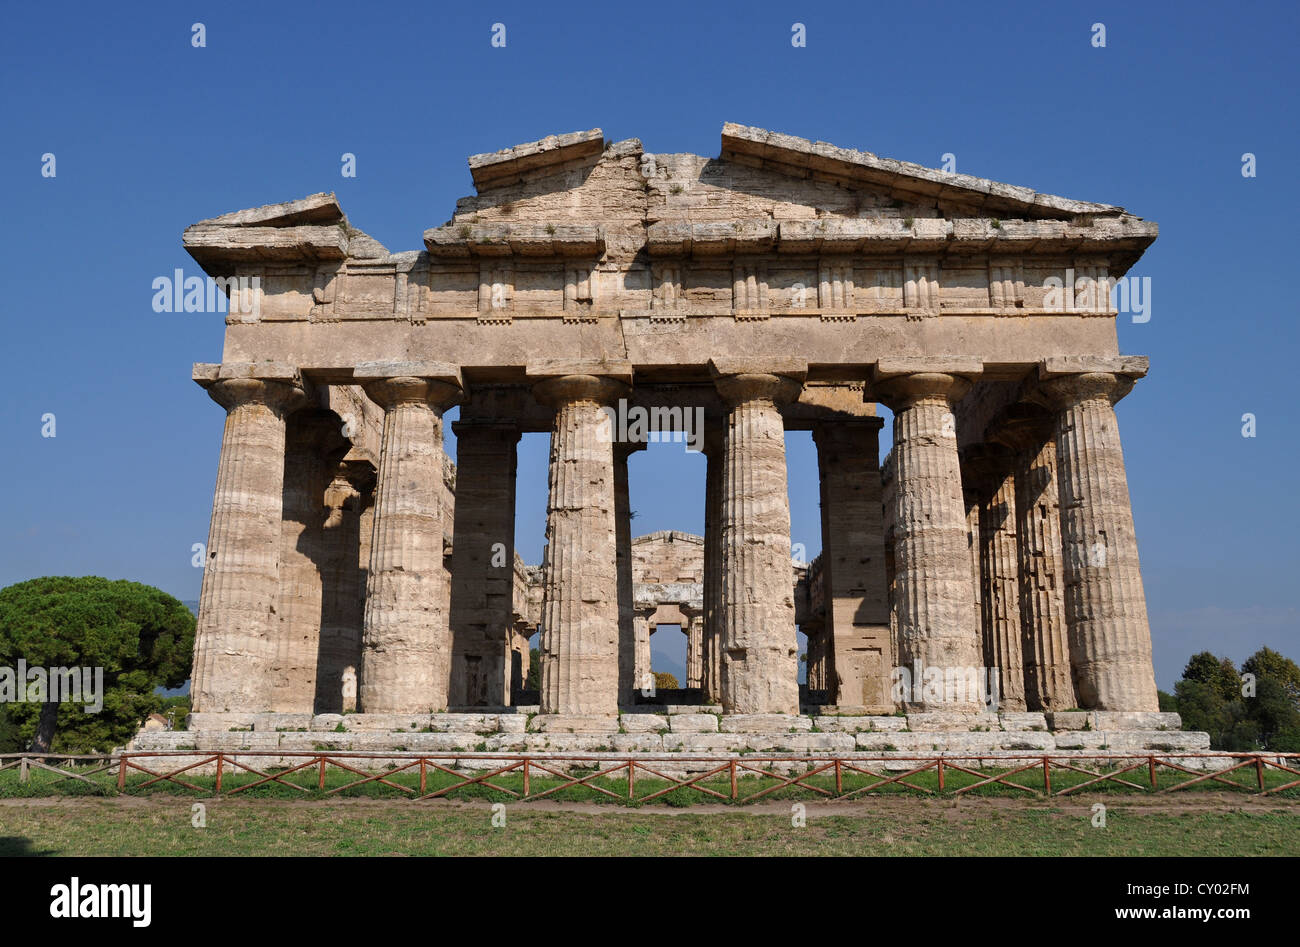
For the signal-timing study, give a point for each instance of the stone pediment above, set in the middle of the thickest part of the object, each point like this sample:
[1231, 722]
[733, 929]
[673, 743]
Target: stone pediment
[644, 257]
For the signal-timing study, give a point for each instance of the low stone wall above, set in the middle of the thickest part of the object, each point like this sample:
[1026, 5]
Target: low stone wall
[680, 731]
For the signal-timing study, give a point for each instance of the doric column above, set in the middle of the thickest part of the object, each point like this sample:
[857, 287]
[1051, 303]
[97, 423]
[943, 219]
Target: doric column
[816, 659]
[642, 675]
[937, 624]
[628, 680]
[759, 651]
[234, 641]
[1105, 605]
[483, 564]
[991, 468]
[694, 648]
[580, 627]
[1027, 429]
[405, 648]
[711, 647]
[858, 651]
[343, 571]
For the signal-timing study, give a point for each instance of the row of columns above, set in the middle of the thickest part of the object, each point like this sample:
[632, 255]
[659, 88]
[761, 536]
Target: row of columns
[1068, 469]
[746, 654]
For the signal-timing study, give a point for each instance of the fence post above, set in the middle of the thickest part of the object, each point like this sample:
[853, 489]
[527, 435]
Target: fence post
[1151, 766]
[1047, 774]
[941, 774]
[839, 777]
[23, 770]
[220, 759]
[121, 772]
[1259, 771]
[731, 765]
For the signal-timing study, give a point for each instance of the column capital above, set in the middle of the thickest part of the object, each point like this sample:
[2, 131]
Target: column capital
[739, 380]
[1062, 392]
[407, 389]
[437, 384]
[281, 397]
[569, 389]
[902, 382]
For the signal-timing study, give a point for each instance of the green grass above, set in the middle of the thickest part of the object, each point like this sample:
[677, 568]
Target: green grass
[161, 825]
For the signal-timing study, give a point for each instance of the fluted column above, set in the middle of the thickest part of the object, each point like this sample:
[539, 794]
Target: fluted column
[999, 571]
[759, 650]
[343, 575]
[234, 641]
[1049, 685]
[628, 681]
[405, 648]
[580, 628]
[937, 624]
[483, 564]
[711, 647]
[694, 647]
[1105, 604]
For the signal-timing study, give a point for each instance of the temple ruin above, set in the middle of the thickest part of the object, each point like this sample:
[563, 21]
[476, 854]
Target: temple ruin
[594, 291]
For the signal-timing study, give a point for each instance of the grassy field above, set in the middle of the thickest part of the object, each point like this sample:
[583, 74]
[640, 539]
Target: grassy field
[1201, 824]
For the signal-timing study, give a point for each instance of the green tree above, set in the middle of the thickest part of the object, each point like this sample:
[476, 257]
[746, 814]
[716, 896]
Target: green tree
[1268, 663]
[141, 637]
[1219, 673]
[665, 681]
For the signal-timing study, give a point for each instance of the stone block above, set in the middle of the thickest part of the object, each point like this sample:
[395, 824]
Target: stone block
[463, 723]
[705, 742]
[1029, 741]
[894, 742]
[860, 724]
[764, 723]
[1023, 721]
[274, 722]
[800, 742]
[512, 723]
[637, 742]
[1069, 720]
[1134, 720]
[558, 742]
[514, 742]
[323, 723]
[573, 723]
[945, 720]
[222, 721]
[693, 723]
[407, 722]
[1078, 739]
[643, 723]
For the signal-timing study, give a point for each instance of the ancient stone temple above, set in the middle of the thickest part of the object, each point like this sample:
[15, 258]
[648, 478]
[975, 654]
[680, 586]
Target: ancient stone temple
[597, 292]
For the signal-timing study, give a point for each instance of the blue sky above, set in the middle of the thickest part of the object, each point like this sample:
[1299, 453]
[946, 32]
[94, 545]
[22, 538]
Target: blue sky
[151, 134]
